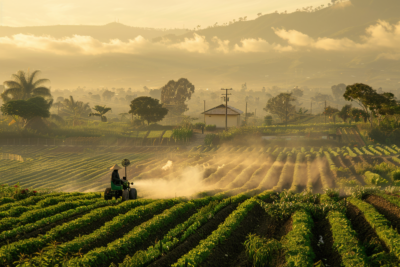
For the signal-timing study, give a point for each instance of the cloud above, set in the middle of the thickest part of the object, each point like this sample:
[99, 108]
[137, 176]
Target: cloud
[380, 36]
[253, 45]
[294, 37]
[223, 46]
[260, 46]
[89, 46]
[196, 44]
[75, 45]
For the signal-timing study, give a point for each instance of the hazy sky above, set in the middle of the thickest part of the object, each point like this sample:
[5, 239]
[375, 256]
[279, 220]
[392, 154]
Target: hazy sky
[140, 13]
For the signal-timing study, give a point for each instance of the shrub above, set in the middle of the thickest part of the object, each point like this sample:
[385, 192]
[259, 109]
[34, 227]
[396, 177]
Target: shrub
[211, 139]
[211, 127]
[268, 120]
[377, 135]
[199, 125]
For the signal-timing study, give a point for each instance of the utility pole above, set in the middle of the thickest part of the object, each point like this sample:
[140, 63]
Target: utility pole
[204, 112]
[226, 107]
[245, 116]
[286, 111]
[325, 112]
[311, 108]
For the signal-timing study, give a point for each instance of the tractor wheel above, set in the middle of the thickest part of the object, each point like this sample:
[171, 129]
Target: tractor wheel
[107, 194]
[125, 195]
[132, 193]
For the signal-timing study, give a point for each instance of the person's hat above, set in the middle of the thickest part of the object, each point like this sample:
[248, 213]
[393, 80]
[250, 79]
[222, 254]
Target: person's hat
[115, 167]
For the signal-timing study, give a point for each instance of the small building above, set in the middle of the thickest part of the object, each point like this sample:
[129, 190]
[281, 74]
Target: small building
[216, 116]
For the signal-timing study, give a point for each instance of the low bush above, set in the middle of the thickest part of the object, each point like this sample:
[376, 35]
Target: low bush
[211, 127]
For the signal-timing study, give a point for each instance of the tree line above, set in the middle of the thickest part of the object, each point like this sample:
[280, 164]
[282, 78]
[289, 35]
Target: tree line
[27, 100]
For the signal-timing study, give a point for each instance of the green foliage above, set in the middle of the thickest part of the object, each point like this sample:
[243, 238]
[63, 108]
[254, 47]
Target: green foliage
[199, 125]
[374, 179]
[36, 213]
[101, 111]
[297, 243]
[197, 255]
[346, 242]
[211, 127]
[211, 139]
[282, 106]
[381, 226]
[261, 251]
[117, 248]
[148, 109]
[23, 86]
[27, 109]
[268, 120]
[182, 134]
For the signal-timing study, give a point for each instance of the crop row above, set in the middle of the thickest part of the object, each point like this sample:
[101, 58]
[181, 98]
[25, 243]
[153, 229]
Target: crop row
[129, 241]
[346, 241]
[46, 202]
[11, 252]
[108, 229]
[29, 201]
[197, 255]
[184, 230]
[297, 243]
[380, 224]
[34, 215]
[52, 219]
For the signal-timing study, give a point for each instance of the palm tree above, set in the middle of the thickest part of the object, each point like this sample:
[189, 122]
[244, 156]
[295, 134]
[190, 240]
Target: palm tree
[77, 109]
[25, 86]
[100, 112]
[58, 105]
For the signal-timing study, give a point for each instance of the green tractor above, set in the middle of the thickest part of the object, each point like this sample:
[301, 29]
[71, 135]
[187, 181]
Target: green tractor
[124, 189]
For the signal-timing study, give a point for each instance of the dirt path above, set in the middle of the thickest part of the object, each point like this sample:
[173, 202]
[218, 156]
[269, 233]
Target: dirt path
[324, 250]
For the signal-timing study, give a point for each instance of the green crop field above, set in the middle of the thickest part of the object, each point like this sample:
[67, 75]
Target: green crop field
[247, 229]
[207, 206]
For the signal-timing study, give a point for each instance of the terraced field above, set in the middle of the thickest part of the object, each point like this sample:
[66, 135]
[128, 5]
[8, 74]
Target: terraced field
[243, 206]
[248, 229]
[166, 172]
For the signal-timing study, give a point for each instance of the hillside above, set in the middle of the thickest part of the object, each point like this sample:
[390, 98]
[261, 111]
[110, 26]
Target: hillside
[339, 21]
[247, 51]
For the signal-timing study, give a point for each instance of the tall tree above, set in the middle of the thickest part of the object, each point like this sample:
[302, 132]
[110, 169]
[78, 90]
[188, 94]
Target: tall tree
[148, 109]
[107, 95]
[174, 95]
[370, 101]
[344, 113]
[331, 113]
[281, 105]
[76, 109]
[338, 90]
[24, 86]
[36, 107]
[101, 111]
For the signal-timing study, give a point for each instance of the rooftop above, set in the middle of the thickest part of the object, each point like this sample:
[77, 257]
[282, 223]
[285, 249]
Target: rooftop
[220, 110]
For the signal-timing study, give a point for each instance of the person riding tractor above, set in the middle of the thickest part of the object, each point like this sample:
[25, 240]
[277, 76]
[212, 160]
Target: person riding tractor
[119, 187]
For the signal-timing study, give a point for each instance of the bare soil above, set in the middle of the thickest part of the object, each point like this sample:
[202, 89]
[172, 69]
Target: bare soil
[324, 250]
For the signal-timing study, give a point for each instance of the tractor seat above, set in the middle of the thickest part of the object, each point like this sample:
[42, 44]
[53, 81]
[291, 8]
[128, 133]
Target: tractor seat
[116, 187]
